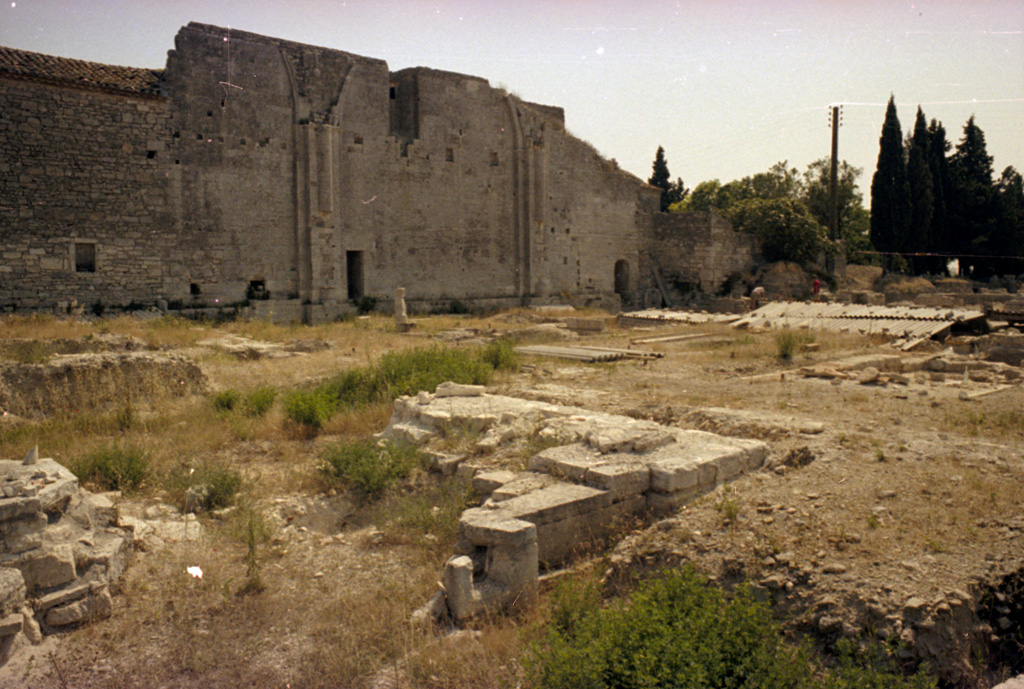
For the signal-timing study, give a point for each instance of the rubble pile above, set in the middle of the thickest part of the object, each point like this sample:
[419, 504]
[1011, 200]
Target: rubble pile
[61, 553]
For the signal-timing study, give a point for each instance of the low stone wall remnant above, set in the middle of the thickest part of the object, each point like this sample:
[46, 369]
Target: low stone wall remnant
[597, 471]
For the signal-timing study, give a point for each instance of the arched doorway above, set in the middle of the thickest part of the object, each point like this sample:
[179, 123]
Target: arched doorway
[622, 277]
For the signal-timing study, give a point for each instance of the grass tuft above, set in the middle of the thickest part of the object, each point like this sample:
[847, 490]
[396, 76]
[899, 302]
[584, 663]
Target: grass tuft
[367, 466]
[114, 467]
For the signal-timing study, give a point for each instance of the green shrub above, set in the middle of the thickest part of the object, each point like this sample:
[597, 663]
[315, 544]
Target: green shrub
[226, 400]
[217, 485]
[368, 466]
[434, 508]
[405, 373]
[501, 355]
[395, 374]
[27, 351]
[789, 341]
[310, 408]
[114, 468]
[259, 401]
[677, 631]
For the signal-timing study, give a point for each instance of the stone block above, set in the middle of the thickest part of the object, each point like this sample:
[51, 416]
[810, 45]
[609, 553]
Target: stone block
[70, 613]
[54, 496]
[621, 479]
[464, 600]
[66, 595]
[102, 507]
[483, 527]
[521, 486]
[408, 433]
[450, 389]
[11, 624]
[53, 566]
[486, 482]
[23, 535]
[19, 508]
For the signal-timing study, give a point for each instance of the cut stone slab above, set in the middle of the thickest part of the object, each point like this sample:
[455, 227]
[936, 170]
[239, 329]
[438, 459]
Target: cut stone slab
[486, 482]
[51, 567]
[11, 624]
[602, 469]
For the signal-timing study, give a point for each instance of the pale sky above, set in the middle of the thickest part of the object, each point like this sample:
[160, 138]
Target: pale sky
[728, 87]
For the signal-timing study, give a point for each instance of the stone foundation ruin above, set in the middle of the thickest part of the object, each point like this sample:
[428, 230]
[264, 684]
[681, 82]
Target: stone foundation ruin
[61, 555]
[599, 471]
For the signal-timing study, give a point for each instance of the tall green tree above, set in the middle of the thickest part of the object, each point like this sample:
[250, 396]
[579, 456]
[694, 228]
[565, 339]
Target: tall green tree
[941, 236]
[973, 208]
[922, 198]
[671, 192]
[854, 220]
[890, 192]
[1008, 240]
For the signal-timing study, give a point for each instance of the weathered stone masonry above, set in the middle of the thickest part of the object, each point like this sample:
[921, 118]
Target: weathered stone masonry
[254, 165]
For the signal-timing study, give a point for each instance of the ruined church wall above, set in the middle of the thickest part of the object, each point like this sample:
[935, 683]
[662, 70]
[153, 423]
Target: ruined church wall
[433, 212]
[85, 166]
[232, 137]
[589, 221]
[700, 249]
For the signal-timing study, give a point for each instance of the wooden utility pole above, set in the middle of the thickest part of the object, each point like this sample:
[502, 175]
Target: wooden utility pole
[833, 190]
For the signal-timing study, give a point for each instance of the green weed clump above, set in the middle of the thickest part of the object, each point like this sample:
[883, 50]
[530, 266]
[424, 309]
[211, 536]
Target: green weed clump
[677, 631]
[501, 355]
[226, 400]
[395, 374]
[259, 401]
[310, 408]
[433, 509]
[114, 467]
[790, 341]
[368, 466]
[217, 484]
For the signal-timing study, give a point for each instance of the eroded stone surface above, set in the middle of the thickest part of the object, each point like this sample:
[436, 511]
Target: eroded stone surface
[60, 553]
[598, 470]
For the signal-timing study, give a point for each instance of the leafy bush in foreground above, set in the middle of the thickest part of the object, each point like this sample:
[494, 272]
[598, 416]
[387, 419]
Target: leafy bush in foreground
[676, 631]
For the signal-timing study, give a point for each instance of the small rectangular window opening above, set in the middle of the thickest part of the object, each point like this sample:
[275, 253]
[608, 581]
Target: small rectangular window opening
[494, 158]
[357, 140]
[393, 92]
[194, 290]
[449, 155]
[85, 257]
[151, 154]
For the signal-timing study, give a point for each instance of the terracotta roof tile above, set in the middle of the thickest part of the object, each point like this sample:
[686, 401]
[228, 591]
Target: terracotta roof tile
[23, 63]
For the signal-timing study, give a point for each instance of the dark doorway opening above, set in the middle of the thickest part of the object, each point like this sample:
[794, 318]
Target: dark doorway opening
[354, 269]
[621, 277]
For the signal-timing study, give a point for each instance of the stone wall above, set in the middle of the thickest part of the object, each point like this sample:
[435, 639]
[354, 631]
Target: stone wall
[83, 171]
[314, 175]
[699, 250]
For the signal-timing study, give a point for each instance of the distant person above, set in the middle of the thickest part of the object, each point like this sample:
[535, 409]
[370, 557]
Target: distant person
[817, 289]
[756, 296]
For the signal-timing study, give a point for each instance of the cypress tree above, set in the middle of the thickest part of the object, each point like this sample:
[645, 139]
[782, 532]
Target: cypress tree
[941, 237]
[919, 180]
[890, 193]
[1008, 242]
[974, 202]
[660, 177]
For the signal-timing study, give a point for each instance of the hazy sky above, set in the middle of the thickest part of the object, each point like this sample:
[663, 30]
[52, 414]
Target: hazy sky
[728, 87]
